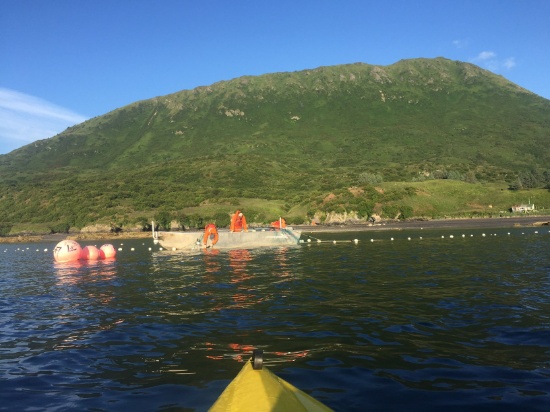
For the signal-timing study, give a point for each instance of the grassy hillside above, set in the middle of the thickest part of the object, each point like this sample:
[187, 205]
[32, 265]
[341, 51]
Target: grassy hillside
[281, 143]
[433, 199]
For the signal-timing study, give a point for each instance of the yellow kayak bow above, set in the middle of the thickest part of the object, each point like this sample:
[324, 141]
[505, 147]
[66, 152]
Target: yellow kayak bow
[257, 389]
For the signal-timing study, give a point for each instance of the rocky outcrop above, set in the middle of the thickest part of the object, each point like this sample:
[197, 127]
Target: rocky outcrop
[98, 228]
[333, 218]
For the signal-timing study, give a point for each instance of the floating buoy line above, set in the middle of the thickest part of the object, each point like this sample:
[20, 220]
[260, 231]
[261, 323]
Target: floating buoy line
[90, 252]
[70, 250]
[308, 239]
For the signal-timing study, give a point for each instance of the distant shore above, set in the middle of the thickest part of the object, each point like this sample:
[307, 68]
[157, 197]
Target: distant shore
[496, 222]
[434, 224]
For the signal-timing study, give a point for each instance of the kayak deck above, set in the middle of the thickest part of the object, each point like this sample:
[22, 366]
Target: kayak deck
[260, 390]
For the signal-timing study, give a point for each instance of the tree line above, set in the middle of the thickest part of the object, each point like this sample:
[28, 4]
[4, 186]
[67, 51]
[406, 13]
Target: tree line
[531, 179]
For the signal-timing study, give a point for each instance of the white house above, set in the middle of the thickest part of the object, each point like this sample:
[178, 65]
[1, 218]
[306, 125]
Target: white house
[523, 208]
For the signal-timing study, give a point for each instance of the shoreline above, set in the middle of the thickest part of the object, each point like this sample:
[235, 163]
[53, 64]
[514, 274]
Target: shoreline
[466, 223]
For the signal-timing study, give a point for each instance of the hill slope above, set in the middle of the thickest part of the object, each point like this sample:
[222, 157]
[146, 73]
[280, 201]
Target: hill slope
[285, 137]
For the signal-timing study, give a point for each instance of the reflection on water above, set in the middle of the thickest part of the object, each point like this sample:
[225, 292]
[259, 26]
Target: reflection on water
[244, 295]
[73, 272]
[422, 324]
[75, 295]
[212, 263]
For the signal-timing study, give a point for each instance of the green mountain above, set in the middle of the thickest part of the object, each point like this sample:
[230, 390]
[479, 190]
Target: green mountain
[288, 140]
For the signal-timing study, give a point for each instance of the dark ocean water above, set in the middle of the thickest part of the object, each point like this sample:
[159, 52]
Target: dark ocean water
[433, 322]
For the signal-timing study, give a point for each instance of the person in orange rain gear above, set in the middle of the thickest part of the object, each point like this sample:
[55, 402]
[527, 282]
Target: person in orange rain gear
[238, 222]
[279, 224]
[211, 236]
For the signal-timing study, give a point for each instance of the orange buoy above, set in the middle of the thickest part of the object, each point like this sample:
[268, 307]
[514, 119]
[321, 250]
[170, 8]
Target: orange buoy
[107, 251]
[89, 253]
[67, 251]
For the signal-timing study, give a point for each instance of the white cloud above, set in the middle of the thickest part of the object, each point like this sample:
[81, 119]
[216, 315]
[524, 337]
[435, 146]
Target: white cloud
[509, 63]
[486, 55]
[460, 44]
[25, 119]
[490, 61]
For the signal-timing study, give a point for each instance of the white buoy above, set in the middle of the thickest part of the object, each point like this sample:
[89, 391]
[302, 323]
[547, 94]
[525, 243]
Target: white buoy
[309, 241]
[372, 240]
[318, 240]
[408, 238]
[483, 235]
[451, 236]
[356, 241]
[391, 238]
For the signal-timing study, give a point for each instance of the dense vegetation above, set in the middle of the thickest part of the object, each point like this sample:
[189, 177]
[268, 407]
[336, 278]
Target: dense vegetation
[301, 144]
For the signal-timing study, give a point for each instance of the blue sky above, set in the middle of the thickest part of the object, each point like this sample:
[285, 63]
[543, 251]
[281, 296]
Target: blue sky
[65, 61]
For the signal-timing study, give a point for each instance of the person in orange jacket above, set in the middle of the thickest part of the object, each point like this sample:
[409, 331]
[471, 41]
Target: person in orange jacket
[238, 222]
[210, 235]
[279, 224]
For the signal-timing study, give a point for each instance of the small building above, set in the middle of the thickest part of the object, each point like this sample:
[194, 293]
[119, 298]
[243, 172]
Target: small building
[523, 208]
